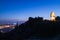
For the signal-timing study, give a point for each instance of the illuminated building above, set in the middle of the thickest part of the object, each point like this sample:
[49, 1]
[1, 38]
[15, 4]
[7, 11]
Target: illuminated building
[52, 16]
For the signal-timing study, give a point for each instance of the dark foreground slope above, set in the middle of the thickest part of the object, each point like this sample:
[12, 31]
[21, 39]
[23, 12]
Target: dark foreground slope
[33, 27]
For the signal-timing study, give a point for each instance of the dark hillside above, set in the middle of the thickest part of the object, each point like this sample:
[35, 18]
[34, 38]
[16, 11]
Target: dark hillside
[33, 27]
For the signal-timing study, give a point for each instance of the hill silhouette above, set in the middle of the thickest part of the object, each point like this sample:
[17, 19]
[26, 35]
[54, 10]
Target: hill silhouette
[33, 27]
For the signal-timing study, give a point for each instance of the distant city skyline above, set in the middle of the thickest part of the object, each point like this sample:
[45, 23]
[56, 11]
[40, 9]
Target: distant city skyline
[23, 9]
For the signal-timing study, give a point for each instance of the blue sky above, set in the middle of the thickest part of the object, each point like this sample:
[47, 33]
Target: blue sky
[23, 9]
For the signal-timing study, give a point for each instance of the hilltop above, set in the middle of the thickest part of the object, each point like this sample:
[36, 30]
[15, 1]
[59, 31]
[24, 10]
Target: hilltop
[34, 27]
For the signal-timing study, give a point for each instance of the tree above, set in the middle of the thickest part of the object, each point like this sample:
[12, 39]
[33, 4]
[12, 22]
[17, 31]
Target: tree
[30, 18]
[58, 18]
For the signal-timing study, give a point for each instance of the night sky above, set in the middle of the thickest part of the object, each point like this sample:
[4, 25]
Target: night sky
[23, 9]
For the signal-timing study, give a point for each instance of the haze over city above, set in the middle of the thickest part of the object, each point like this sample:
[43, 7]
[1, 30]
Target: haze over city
[23, 9]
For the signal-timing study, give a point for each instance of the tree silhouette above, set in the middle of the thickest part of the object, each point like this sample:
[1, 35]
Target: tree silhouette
[58, 18]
